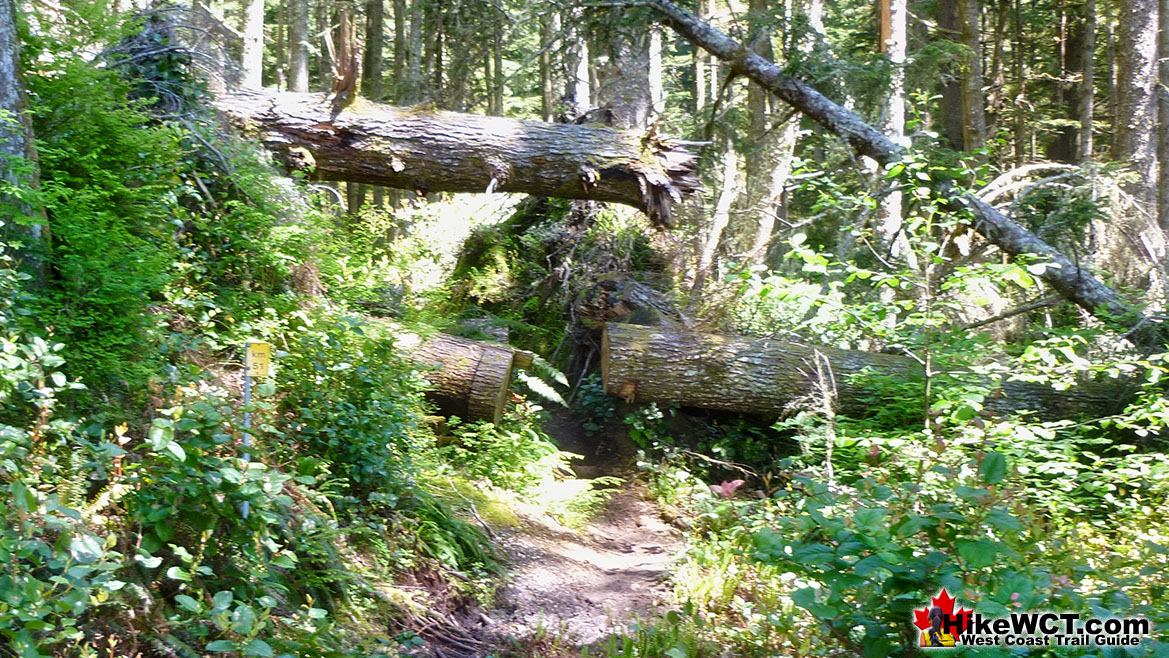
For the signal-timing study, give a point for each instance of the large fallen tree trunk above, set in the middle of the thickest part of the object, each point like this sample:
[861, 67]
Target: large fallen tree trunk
[771, 377]
[470, 377]
[1064, 275]
[416, 149]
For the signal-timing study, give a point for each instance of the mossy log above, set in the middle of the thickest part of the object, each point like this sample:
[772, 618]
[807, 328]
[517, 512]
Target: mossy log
[430, 151]
[771, 377]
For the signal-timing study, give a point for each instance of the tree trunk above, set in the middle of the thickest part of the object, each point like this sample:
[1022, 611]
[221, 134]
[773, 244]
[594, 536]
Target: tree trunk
[549, 27]
[895, 45]
[771, 377]
[24, 223]
[252, 61]
[1087, 92]
[449, 152]
[401, 70]
[371, 69]
[973, 113]
[1020, 132]
[718, 223]
[470, 377]
[298, 45]
[1163, 117]
[949, 29]
[1066, 277]
[1136, 74]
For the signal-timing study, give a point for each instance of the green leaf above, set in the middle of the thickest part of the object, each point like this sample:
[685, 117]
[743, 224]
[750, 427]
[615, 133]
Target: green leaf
[220, 646]
[258, 647]
[978, 554]
[25, 499]
[993, 467]
[85, 548]
[187, 603]
[222, 599]
[242, 620]
[677, 652]
[177, 573]
[177, 450]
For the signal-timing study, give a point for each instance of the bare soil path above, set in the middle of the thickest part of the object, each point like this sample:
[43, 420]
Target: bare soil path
[585, 585]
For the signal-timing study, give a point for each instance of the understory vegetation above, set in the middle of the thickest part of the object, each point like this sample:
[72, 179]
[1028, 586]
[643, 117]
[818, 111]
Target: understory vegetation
[150, 512]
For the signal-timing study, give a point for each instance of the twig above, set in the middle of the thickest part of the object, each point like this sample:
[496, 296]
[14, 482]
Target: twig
[1042, 303]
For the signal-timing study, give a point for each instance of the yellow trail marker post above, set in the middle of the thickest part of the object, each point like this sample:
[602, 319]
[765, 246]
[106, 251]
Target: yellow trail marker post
[257, 363]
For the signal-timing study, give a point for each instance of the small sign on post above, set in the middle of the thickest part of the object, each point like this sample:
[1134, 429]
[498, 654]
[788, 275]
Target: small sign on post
[259, 359]
[257, 363]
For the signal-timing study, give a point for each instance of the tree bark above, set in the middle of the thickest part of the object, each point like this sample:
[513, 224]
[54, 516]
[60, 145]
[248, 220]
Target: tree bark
[1065, 276]
[445, 151]
[973, 113]
[771, 377]
[949, 29]
[1087, 92]
[1163, 117]
[298, 45]
[1136, 76]
[253, 54]
[372, 68]
[23, 222]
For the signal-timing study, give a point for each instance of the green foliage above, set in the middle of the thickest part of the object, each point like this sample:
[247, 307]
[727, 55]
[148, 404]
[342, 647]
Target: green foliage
[515, 454]
[357, 403]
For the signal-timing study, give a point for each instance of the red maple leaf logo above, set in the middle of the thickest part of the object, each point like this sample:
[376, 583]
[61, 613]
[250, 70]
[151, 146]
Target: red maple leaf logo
[946, 602]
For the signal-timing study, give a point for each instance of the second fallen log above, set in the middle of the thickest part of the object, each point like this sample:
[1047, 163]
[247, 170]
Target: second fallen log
[772, 377]
[470, 377]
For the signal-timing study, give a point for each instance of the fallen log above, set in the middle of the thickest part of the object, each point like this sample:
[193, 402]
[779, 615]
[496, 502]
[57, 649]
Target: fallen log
[429, 151]
[614, 297]
[772, 377]
[470, 377]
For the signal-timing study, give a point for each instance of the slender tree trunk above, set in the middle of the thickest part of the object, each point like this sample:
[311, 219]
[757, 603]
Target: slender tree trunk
[417, 89]
[951, 87]
[253, 53]
[895, 45]
[24, 223]
[1113, 87]
[281, 48]
[1021, 140]
[579, 87]
[1163, 118]
[769, 159]
[401, 70]
[973, 111]
[1087, 92]
[497, 84]
[326, 22]
[372, 65]
[549, 27]
[298, 37]
[657, 91]
[1136, 72]
[718, 223]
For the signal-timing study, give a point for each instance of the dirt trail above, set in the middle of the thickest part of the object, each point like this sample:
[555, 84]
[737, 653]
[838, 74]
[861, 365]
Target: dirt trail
[586, 585]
